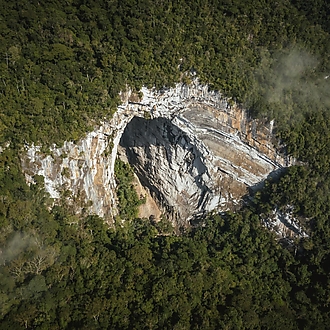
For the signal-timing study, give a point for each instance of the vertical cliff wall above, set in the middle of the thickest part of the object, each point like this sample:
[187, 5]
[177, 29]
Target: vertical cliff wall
[189, 147]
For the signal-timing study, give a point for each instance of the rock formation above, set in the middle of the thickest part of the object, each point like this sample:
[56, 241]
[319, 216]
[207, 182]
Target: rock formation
[193, 150]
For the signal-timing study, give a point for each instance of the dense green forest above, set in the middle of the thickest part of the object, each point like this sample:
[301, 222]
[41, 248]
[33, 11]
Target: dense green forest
[62, 65]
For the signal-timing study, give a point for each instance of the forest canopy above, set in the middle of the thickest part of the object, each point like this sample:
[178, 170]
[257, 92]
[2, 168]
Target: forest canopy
[62, 66]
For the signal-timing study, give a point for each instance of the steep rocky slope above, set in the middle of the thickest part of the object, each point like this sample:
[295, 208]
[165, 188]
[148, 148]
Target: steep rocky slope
[189, 147]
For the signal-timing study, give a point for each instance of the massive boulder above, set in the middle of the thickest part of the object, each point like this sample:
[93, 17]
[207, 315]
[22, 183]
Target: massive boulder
[193, 149]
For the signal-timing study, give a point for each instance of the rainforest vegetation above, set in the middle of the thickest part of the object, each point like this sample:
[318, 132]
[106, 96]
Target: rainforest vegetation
[62, 66]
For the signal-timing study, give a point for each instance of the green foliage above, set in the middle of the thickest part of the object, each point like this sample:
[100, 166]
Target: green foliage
[229, 273]
[62, 65]
[128, 200]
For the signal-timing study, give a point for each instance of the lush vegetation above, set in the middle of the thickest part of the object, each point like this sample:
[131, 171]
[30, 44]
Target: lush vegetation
[62, 66]
[64, 63]
[128, 199]
[76, 273]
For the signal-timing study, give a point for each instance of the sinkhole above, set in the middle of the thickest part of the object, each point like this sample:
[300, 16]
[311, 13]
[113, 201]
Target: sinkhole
[168, 163]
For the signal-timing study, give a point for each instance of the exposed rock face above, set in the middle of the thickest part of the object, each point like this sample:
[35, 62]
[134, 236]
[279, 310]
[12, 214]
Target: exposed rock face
[285, 224]
[189, 147]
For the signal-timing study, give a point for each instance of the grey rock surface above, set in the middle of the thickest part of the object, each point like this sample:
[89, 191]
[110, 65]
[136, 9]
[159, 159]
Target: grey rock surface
[189, 147]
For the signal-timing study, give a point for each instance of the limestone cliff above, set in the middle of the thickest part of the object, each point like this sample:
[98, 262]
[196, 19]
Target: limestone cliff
[189, 147]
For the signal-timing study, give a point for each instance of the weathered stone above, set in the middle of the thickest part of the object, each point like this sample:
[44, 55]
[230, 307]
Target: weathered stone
[192, 150]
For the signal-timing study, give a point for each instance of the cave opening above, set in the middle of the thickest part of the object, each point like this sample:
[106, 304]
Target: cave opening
[168, 164]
